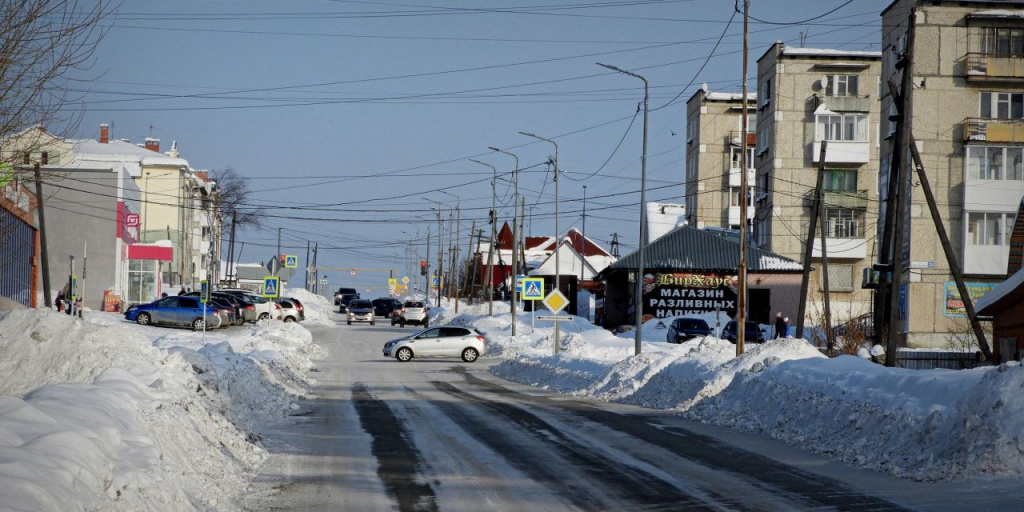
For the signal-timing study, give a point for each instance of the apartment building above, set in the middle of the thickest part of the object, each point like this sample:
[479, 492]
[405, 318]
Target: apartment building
[968, 121]
[714, 127]
[806, 96]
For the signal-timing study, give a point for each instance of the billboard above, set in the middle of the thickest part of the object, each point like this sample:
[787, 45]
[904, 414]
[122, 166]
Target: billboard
[677, 294]
[954, 305]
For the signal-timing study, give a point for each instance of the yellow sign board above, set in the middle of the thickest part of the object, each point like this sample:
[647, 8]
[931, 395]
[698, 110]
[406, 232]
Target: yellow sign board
[556, 301]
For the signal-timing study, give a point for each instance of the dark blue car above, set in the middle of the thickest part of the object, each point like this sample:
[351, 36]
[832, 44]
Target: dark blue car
[177, 311]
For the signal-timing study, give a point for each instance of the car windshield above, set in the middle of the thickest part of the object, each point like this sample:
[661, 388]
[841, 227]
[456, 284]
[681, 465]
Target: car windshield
[692, 324]
[414, 304]
[360, 304]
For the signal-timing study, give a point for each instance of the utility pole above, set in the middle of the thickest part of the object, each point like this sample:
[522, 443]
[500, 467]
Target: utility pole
[316, 270]
[492, 219]
[615, 245]
[471, 264]
[741, 310]
[558, 236]
[457, 267]
[277, 268]
[515, 238]
[426, 279]
[829, 340]
[440, 258]
[231, 251]
[896, 207]
[307, 265]
[809, 246]
[43, 253]
[583, 251]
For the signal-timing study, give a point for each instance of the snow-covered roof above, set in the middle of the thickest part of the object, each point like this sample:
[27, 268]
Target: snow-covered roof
[828, 52]
[1000, 291]
[121, 151]
[729, 96]
[997, 13]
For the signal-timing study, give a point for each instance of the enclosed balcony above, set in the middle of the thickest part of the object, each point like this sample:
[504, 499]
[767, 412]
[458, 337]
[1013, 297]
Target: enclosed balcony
[845, 231]
[991, 130]
[736, 140]
[850, 103]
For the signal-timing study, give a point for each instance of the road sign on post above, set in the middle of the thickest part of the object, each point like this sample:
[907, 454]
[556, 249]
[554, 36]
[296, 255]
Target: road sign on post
[271, 287]
[274, 265]
[556, 301]
[291, 261]
[204, 291]
[533, 288]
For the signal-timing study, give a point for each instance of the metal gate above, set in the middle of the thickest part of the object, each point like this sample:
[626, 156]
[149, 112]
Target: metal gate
[17, 250]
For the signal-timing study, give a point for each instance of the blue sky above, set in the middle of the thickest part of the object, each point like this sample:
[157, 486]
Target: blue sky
[350, 117]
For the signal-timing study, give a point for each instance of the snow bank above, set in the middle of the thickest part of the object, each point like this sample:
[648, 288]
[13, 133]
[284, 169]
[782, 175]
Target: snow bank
[319, 309]
[108, 421]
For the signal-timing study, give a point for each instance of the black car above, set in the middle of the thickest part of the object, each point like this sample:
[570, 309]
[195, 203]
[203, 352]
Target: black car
[344, 300]
[385, 307]
[683, 329]
[753, 333]
[342, 292]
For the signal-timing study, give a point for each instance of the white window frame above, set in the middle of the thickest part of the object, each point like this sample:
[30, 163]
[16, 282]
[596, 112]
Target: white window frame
[1000, 105]
[841, 127]
[977, 233]
[841, 85]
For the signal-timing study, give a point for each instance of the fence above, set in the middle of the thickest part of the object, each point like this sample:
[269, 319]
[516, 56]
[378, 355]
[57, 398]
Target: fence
[929, 359]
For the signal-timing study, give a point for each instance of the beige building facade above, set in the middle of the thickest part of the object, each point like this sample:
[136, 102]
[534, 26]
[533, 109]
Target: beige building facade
[968, 121]
[807, 96]
[714, 125]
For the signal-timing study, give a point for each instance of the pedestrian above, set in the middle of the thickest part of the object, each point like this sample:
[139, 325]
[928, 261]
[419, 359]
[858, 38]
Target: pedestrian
[162, 295]
[182, 291]
[59, 301]
[78, 306]
[781, 325]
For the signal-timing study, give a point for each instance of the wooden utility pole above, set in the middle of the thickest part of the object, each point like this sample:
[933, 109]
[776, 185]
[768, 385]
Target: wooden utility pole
[440, 259]
[471, 265]
[809, 246]
[43, 253]
[490, 270]
[947, 248]
[741, 270]
[827, 299]
[456, 266]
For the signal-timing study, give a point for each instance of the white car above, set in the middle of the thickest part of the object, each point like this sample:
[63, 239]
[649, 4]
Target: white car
[360, 310]
[262, 307]
[445, 341]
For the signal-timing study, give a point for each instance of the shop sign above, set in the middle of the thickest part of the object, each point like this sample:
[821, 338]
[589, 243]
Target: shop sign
[677, 294]
[955, 305]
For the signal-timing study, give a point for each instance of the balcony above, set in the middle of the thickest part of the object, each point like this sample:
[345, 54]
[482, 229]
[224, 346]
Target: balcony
[841, 248]
[734, 215]
[989, 66]
[849, 199]
[734, 138]
[843, 152]
[844, 238]
[991, 130]
[843, 103]
[735, 176]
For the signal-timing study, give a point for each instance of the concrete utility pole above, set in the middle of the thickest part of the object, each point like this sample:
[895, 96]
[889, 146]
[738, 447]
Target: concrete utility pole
[515, 239]
[43, 253]
[493, 221]
[809, 246]
[558, 234]
[638, 298]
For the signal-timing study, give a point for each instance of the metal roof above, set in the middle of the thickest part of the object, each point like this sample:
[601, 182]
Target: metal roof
[689, 248]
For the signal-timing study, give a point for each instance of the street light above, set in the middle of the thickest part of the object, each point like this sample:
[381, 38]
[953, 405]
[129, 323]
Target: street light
[493, 216]
[515, 236]
[558, 234]
[638, 293]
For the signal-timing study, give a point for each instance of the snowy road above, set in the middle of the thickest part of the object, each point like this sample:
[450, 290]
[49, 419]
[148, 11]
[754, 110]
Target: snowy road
[442, 435]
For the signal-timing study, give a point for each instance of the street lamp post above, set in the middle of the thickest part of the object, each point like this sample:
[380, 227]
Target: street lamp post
[558, 234]
[638, 293]
[493, 216]
[515, 237]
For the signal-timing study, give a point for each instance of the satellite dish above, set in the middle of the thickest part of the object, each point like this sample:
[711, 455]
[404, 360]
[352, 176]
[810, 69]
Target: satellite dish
[823, 82]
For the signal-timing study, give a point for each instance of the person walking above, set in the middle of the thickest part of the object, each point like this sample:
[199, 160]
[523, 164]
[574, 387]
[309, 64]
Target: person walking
[781, 325]
[182, 291]
[59, 301]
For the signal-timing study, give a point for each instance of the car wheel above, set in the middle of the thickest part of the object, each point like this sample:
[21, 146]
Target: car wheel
[143, 319]
[426, 324]
[402, 323]
[404, 354]
[289, 319]
[198, 324]
[372, 322]
[264, 316]
[470, 354]
[350, 322]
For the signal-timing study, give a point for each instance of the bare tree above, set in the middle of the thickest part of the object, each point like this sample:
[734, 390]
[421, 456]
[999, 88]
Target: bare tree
[42, 44]
[232, 194]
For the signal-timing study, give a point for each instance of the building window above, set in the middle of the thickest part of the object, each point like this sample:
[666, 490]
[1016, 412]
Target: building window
[840, 278]
[692, 129]
[735, 154]
[1002, 41]
[764, 96]
[995, 163]
[751, 121]
[841, 85]
[734, 197]
[841, 127]
[840, 180]
[987, 228]
[1001, 105]
[844, 223]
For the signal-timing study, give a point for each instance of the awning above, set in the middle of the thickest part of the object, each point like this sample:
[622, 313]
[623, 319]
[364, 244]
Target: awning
[150, 252]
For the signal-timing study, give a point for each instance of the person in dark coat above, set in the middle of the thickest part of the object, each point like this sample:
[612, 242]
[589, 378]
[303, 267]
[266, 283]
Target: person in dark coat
[781, 325]
[59, 301]
[182, 291]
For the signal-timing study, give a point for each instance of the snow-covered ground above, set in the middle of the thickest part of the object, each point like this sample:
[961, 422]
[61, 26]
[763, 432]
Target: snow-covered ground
[101, 414]
[925, 425]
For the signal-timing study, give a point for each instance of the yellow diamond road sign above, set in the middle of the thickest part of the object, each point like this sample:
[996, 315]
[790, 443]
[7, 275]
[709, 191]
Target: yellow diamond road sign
[556, 301]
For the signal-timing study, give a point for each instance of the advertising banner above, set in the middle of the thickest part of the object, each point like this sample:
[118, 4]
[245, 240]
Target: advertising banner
[677, 294]
[954, 305]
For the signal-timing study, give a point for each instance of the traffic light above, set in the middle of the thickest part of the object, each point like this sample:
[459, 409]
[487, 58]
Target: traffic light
[423, 267]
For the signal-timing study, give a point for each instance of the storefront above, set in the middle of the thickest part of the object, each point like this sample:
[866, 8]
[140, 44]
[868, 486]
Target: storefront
[144, 264]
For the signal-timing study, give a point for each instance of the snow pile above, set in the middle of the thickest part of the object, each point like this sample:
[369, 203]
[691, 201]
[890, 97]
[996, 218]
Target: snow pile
[926, 425]
[114, 416]
[319, 310]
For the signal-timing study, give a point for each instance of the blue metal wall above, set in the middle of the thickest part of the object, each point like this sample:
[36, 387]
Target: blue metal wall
[17, 240]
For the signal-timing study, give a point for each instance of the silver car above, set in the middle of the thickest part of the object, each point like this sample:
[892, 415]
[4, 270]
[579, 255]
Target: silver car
[444, 341]
[361, 310]
[413, 312]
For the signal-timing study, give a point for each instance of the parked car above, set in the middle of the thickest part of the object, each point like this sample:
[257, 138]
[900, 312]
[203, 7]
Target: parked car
[237, 307]
[683, 329]
[298, 305]
[290, 312]
[413, 312]
[444, 341]
[345, 300]
[259, 307]
[177, 311]
[361, 310]
[753, 333]
[343, 291]
[383, 307]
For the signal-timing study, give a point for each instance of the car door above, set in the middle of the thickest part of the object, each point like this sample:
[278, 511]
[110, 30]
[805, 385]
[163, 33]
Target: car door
[452, 341]
[428, 342]
[187, 310]
[163, 310]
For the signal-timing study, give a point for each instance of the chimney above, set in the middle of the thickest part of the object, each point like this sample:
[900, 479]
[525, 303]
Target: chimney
[153, 144]
[104, 133]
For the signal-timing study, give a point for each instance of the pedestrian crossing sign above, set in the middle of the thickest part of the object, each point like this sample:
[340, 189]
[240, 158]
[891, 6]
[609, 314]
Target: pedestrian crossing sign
[533, 288]
[271, 287]
[291, 261]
